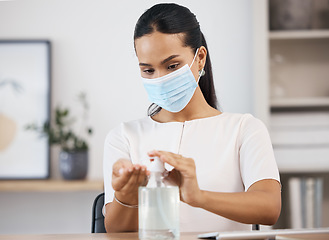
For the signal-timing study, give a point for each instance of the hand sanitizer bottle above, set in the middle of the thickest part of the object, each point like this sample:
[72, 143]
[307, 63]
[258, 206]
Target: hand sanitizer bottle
[158, 213]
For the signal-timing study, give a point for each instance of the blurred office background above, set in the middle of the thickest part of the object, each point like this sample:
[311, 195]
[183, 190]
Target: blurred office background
[92, 51]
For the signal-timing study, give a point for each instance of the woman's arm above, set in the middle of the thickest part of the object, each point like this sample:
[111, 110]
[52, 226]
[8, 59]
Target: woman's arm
[126, 178]
[261, 204]
[120, 219]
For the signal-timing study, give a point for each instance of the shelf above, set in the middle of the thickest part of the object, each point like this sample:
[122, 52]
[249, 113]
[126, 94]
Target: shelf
[300, 102]
[301, 34]
[50, 185]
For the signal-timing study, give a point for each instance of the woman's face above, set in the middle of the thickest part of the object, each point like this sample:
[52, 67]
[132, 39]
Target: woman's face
[159, 54]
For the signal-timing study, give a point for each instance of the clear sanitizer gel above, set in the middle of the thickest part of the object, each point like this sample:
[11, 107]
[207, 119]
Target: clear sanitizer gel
[158, 202]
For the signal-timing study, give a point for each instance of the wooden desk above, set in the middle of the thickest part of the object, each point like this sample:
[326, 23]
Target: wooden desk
[50, 185]
[86, 236]
[316, 235]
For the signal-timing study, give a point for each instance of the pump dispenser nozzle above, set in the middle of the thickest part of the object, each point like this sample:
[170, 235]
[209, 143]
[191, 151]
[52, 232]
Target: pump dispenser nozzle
[157, 169]
[156, 165]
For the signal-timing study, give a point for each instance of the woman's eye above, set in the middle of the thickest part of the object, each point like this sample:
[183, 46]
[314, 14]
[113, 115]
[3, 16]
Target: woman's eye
[173, 66]
[148, 71]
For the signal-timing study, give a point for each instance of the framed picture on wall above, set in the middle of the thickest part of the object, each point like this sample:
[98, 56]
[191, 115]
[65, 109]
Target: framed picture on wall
[25, 67]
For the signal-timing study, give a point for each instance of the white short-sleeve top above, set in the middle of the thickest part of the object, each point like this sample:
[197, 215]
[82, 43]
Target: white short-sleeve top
[231, 152]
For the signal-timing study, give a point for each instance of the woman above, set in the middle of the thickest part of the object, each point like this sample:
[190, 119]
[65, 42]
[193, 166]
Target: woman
[223, 162]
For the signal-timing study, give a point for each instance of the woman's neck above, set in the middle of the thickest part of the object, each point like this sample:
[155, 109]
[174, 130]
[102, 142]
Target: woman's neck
[197, 108]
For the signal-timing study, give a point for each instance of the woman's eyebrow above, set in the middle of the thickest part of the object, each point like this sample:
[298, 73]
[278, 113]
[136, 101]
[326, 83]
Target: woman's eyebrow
[162, 62]
[169, 58]
[145, 64]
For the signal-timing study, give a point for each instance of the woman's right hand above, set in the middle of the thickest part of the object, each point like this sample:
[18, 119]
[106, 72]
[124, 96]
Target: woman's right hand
[126, 178]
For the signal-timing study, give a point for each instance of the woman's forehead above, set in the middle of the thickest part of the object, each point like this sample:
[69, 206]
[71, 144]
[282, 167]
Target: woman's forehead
[156, 45]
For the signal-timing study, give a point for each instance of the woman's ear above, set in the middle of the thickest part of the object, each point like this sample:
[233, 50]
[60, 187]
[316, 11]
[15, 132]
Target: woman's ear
[202, 55]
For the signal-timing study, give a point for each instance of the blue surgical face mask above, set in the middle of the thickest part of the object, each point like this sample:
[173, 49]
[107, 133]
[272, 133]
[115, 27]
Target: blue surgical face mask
[174, 90]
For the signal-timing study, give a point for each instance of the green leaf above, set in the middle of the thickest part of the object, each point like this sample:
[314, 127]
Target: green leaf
[59, 130]
[66, 112]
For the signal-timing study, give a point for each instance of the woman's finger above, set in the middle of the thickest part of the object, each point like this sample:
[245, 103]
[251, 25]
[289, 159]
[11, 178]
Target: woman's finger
[142, 176]
[118, 182]
[173, 178]
[120, 166]
[175, 160]
[132, 184]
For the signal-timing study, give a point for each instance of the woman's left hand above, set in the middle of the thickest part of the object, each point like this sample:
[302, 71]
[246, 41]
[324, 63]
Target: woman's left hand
[183, 174]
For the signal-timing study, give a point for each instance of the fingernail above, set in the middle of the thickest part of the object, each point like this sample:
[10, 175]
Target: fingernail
[121, 170]
[130, 169]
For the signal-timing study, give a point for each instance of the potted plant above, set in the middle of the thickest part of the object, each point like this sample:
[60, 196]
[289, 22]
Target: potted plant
[73, 157]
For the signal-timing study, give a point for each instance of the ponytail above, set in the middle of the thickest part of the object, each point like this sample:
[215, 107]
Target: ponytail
[206, 82]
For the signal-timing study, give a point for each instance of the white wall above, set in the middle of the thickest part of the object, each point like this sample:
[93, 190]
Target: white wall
[93, 51]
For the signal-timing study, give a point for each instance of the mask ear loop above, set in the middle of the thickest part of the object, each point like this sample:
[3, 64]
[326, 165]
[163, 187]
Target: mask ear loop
[194, 57]
[202, 72]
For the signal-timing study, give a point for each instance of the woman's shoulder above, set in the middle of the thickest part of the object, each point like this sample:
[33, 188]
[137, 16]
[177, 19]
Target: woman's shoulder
[239, 117]
[136, 122]
[247, 125]
[242, 121]
[125, 127]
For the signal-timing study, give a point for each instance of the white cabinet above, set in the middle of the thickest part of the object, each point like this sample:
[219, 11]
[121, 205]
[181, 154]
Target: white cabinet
[299, 69]
[291, 82]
